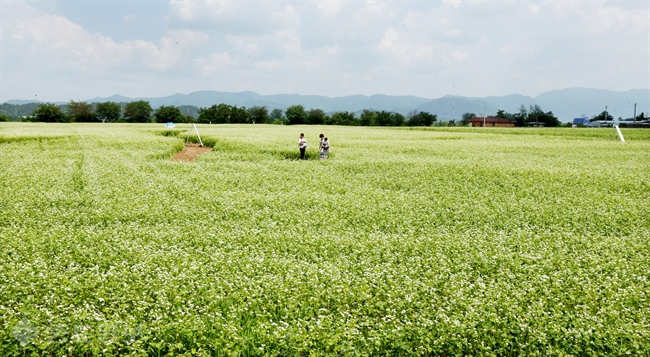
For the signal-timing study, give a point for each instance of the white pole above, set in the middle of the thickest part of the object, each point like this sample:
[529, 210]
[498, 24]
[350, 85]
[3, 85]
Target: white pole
[620, 135]
[484, 117]
[197, 134]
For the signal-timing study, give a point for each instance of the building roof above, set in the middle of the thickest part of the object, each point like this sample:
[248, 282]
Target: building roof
[490, 120]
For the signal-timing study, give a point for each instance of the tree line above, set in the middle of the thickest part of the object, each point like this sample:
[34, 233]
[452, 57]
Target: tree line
[107, 112]
[142, 112]
[297, 115]
[604, 115]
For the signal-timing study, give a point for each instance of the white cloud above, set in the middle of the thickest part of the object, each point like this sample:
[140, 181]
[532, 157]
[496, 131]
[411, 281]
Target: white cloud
[312, 64]
[290, 42]
[287, 16]
[187, 38]
[368, 47]
[458, 55]
[395, 44]
[270, 64]
[214, 64]
[330, 8]
[245, 45]
[191, 10]
[233, 18]
[56, 37]
[452, 3]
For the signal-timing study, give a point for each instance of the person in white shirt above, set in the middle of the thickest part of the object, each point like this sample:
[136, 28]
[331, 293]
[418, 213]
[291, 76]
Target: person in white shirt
[324, 148]
[302, 144]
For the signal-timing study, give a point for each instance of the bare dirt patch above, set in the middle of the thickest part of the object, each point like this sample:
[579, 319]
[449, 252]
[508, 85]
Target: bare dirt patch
[190, 152]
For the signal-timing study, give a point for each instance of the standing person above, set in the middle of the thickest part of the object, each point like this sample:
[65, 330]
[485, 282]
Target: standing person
[302, 144]
[324, 149]
[320, 144]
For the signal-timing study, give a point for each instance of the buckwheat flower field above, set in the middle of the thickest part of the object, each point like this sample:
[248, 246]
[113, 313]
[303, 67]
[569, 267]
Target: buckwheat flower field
[437, 241]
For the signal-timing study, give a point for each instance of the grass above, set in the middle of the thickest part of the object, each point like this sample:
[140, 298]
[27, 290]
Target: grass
[439, 241]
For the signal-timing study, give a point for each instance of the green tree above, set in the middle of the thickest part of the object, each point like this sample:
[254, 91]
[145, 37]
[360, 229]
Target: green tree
[343, 118]
[206, 114]
[536, 114]
[397, 119]
[223, 114]
[503, 114]
[4, 117]
[367, 117]
[551, 120]
[296, 114]
[49, 113]
[215, 114]
[80, 112]
[641, 117]
[259, 114]
[239, 115]
[521, 117]
[421, 119]
[381, 118]
[276, 114]
[466, 117]
[138, 112]
[108, 111]
[166, 114]
[316, 117]
[603, 116]
[518, 118]
[384, 118]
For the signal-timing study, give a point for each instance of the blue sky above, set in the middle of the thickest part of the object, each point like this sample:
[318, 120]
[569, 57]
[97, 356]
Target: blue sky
[62, 50]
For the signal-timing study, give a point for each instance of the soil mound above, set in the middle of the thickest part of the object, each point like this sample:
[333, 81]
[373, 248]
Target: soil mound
[191, 152]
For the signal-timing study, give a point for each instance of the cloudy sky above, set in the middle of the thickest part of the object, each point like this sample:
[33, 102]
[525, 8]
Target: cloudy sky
[62, 50]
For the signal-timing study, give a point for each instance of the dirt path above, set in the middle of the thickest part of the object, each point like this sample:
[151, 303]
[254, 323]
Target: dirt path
[190, 153]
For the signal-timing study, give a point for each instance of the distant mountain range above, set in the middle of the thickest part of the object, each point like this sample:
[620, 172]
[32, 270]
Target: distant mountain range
[566, 104]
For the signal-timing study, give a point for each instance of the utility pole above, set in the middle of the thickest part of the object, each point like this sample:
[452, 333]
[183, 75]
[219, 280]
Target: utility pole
[634, 118]
[606, 114]
[484, 117]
